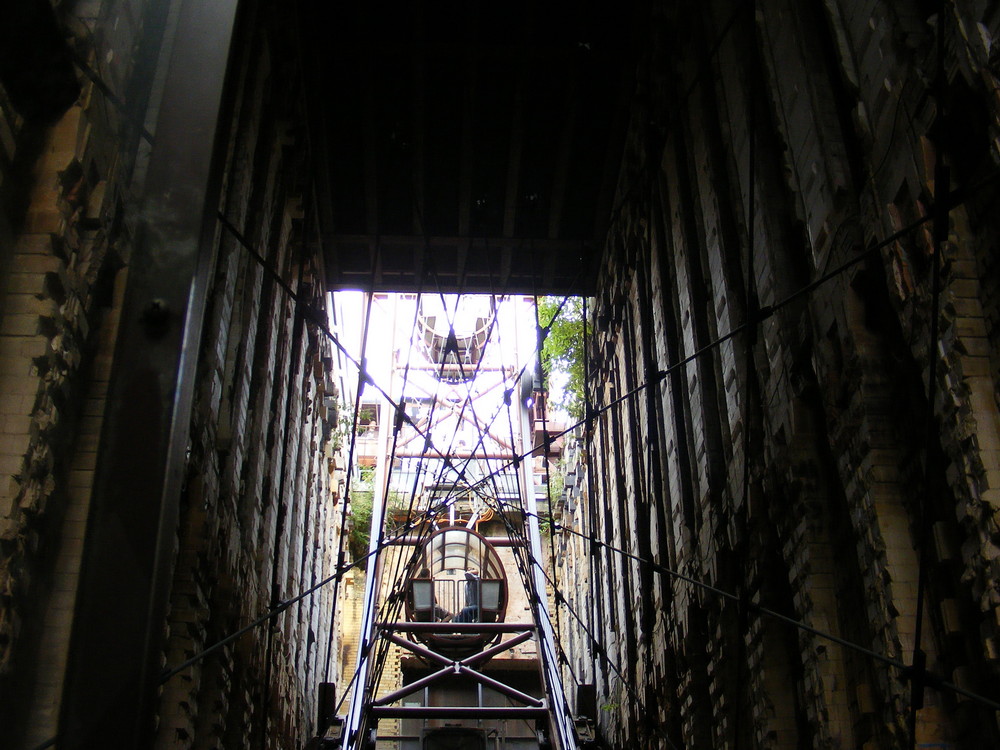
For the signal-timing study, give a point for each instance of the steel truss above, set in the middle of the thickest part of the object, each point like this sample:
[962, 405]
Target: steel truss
[380, 627]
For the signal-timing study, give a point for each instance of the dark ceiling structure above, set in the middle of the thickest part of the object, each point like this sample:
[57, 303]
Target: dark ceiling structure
[469, 146]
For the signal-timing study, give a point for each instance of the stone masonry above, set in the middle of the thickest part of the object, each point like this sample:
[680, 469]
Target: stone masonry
[808, 135]
[760, 358]
[261, 467]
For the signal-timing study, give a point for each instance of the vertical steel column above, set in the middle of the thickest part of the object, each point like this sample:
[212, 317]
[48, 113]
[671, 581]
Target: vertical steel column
[561, 722]
[115, 658]
[356, 715]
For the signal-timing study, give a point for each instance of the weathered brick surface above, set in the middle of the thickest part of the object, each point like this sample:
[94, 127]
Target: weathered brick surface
[847, 130]
[262, 510]
[829, 529]
[261, 504]
[61, 194]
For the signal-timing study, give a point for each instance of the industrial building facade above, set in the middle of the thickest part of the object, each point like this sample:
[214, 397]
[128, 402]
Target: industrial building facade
[804, 478]
[779, 527]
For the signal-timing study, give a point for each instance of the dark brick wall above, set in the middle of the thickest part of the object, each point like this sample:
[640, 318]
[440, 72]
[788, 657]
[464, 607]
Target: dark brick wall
[261, 513]
[847, 126]
[261, 505]
[64, 182]
[847, 130]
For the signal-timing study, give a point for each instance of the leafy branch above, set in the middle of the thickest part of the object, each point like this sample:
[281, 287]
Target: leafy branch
[562, 350]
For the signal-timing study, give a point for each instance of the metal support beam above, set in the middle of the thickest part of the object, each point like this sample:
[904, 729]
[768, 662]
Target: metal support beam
[447, 628]
[460, 455]
[465, 197]
[444, 673]
[562, 723]
[516, 148]
[115, 654]
[419, 90]
[500, 687]
[413, 687]
[494, 541]
[355, 726]
[484, 656]
[456, 369]
[453, 667]
[424, 653]
[476, 658]
[458, 712]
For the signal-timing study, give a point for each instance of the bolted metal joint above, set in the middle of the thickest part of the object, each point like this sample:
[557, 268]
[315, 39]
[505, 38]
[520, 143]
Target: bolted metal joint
[156, 318]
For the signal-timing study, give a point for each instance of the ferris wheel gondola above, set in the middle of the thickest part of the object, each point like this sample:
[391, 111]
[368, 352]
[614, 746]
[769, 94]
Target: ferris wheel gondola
[458, 578]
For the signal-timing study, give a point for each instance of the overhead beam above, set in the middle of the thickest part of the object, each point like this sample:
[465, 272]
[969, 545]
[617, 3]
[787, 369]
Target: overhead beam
[515, 149]
[461, 628]
[317, 136]
[458, 712]
[419, 119]
[494, 244]
[370, 162]
[565, 151]
[472, 52]
[612, 163]
[458, 455]
[518, 274]
[493, 541]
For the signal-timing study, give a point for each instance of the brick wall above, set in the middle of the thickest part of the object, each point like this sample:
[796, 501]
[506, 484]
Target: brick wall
[261, 514]
[827, 532]
[261, 506]
[63, 185]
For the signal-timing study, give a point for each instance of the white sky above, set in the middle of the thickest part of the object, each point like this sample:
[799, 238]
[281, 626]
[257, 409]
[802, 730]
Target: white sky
[387, 340]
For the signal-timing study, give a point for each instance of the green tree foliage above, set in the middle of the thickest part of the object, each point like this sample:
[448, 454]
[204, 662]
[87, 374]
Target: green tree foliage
[562, 351]
[557, 482]
[362, 496]
[345, 422]
[362, 508]
[361, 523]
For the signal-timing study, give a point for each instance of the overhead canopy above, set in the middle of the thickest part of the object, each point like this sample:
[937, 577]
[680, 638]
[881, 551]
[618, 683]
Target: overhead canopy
[475, 145]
